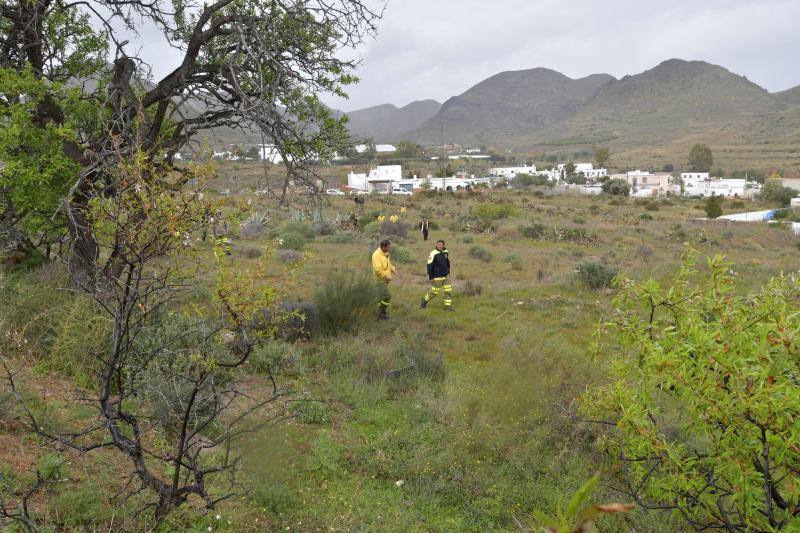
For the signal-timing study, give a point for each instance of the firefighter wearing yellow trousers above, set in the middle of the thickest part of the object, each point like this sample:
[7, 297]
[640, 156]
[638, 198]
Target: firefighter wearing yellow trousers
[439, 274]
[383, 269]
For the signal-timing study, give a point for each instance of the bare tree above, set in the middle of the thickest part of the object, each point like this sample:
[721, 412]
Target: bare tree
[162, 373]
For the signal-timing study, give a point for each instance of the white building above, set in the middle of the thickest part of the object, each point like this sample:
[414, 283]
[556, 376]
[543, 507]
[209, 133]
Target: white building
[379, 148]
[511, 172]
[381, 179]
[452, 183]
[587, 169]
[729, 188]
[270, 153]
[693, 178]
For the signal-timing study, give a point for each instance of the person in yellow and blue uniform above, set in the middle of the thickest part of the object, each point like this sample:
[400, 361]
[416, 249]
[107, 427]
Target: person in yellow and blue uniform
[439, 274]
[383, 269]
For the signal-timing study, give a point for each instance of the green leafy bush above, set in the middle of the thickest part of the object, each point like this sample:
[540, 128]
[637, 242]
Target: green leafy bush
[481, 253]
[81, 508]
[775, 193]
[488, 212]
[704, 391]
[577, 235]
[595, 275]
[345, 301]
[276, 499]
[292, 241]
[270, 356]
[616, 187]
[311, 412]
[49, 467]
[514, 260]
[533, 230]
[303, 228]
[403, 255]
[713, 206]
[341, 238]
[252, 252]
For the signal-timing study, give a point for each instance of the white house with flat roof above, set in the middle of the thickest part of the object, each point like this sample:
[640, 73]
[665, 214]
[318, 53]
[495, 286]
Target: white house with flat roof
[511, 172]
[587, 169]
[379, 148]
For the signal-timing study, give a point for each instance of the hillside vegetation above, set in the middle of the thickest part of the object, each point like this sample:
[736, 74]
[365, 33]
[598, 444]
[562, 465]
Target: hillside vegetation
[429, 421]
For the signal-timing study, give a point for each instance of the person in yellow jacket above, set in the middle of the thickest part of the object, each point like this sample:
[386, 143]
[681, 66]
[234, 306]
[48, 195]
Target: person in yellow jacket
[393, 219]
[383, 269]
[381, 219]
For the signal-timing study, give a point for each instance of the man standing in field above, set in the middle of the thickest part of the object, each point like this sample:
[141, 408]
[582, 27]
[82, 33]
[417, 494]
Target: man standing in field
[383, 269]
[439, 274]
[424, 226]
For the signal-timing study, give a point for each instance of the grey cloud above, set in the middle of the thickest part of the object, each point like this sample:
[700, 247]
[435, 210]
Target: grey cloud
[428, 49]
[440, 48]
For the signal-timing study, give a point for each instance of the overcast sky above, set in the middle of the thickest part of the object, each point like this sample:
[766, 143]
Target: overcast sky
[440, 48]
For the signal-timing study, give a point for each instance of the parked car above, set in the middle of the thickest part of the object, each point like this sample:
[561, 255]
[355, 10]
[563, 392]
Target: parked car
[334, 192]
[398, 190]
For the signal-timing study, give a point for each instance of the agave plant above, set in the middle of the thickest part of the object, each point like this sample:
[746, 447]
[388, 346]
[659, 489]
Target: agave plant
[257, 218]
[254, 224]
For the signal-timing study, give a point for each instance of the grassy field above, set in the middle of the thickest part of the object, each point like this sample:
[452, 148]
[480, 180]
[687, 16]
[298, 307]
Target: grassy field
[476, 436]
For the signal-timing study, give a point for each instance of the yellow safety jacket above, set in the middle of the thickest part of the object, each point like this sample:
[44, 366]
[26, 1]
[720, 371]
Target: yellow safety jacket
[381, 266]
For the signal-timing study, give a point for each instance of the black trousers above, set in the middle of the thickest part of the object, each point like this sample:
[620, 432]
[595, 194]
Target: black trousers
[425, 234]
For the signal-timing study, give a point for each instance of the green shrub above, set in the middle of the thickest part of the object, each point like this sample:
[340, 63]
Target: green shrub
[481, 253]
[775, 193]
[292, 241]
[252, 252]
[403, 255]
[595, 275]
[323, 228]
[270, 356]
[81, 335]
[345, 301]
[533, 230]
[81, 508]
[652, 206]
[616, 187]
[713, 367]
[713, 206]
[303, 228]
[645, 216]
[514, 260]
[341, 238]
[290, 256]
[413, 363]
[467, 239]
[787, 214]
[311, 412]
[472, 288]
[487, 213]
[276, 499]
[576, 235]
[387, 228]
[49, 466]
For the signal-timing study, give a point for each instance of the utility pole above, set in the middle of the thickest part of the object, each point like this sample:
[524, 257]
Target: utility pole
[444, 167]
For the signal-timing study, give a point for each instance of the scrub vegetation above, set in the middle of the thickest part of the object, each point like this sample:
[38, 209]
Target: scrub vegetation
[493, 417]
